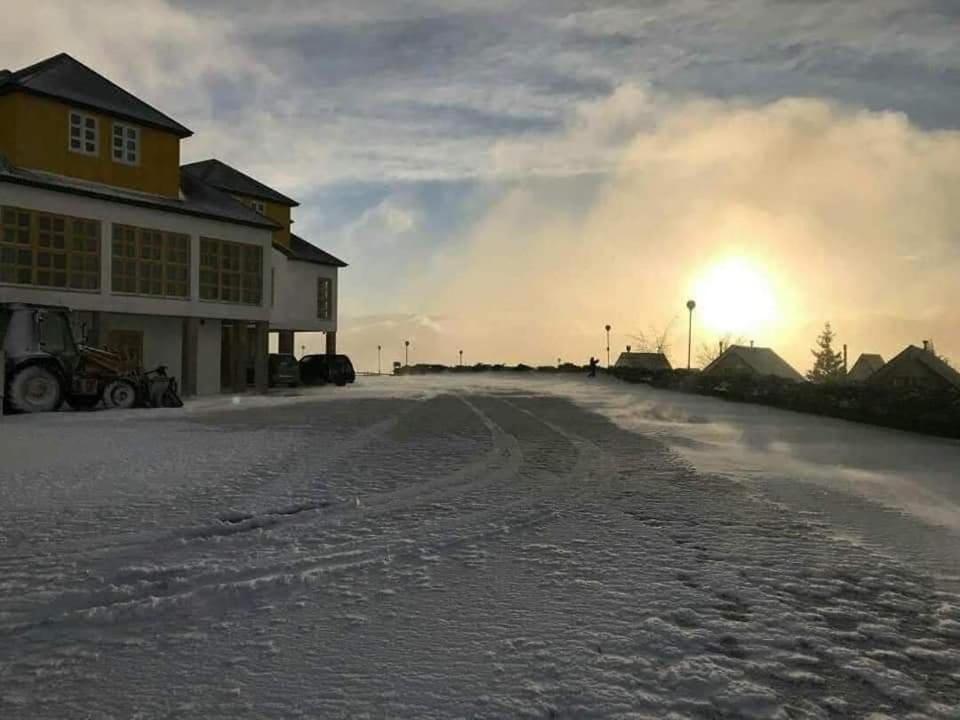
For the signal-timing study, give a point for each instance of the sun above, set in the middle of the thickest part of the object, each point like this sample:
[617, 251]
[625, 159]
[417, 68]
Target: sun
[735, 296]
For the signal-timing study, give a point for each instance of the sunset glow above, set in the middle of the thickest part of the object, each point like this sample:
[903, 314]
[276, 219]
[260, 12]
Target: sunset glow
[736, 296]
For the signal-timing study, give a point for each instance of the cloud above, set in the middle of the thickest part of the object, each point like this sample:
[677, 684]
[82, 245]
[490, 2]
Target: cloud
[827, 198]
[624, 145]
[384, 223]
[307, 94]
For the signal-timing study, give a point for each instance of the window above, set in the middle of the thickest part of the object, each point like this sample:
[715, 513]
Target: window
[84, 133]
[259, 205]
[55, 333]
[230, 272]
[150, 262]
[324, 298]
[126, 144]
[38, 248]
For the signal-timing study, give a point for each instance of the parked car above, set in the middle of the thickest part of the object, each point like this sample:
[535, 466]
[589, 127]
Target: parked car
[284, 370]
[320, 369]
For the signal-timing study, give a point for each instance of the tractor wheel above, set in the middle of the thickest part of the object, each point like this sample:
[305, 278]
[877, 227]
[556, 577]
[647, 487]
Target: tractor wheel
[35, 389]
[120, 394]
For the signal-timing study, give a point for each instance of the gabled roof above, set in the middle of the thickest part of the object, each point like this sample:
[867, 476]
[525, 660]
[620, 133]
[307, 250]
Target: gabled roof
[196, 198]
[300, 249]
[926, 358]
[762, 361]
[865, 366]
[64, 78]
[643, 361]
[220, 175]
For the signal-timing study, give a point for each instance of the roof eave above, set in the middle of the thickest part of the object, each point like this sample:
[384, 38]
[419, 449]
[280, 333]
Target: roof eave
[268, 225]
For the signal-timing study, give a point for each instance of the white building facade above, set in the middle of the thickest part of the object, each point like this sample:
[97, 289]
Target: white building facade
[193, 277]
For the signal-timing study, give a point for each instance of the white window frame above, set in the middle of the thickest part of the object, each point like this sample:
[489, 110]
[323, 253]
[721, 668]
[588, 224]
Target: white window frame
[83, 117]
[259, 206]
[128, 133]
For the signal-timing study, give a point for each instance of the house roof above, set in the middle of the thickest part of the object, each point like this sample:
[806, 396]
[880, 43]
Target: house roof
[302, 250]
[762, 361]
[195, 199]
[64, 78]
[865, 366]
[643, 361]
[926, 358]
[219, 174]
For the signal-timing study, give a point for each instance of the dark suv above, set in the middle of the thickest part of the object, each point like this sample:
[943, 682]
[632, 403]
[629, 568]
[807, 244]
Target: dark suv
[284, 370]
[320, 369]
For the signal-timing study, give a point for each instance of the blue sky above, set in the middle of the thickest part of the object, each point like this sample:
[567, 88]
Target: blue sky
[402, 125]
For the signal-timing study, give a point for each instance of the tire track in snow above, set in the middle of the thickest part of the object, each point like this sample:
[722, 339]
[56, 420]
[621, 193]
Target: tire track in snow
[169, 582]
[143, 594]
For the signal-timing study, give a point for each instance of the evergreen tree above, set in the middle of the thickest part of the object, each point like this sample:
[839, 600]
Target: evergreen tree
[828, 366]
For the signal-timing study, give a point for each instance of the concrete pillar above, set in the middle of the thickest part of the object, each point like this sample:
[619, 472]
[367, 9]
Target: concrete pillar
[331, 343]
[285, 342]
[190, 357]
[238, 359]
[260, 353]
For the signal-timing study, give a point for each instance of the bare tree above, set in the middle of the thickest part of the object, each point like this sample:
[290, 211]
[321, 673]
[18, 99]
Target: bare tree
[708, 352]
[656, 339]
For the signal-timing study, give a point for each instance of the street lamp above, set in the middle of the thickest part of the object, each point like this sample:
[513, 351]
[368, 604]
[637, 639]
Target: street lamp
[379, 348]
[461, 358]
[406, 353]
[690, 306]
[608, 345]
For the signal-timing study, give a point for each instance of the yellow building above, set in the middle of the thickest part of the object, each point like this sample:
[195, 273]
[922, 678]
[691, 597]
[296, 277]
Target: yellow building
[190, 267]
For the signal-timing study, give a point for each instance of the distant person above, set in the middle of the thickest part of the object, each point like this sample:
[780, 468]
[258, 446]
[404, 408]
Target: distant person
[593, 366]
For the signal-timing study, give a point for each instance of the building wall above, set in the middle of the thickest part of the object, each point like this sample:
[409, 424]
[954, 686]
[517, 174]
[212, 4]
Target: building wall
[295, 300]
[208, 362]
[108, 213]
[34, 134]
[8, 125]
[909, 372]
[162, 339]
[280, 214]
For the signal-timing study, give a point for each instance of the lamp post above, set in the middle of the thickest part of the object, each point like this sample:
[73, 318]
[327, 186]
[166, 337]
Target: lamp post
[690, 306]
[461, 358]
[406, 353]
[379, 348]
[608, 345]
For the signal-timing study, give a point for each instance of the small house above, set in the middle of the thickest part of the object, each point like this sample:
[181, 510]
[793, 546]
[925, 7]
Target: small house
[865, 366]
[918, 368]
[645, 361]
[756, 361]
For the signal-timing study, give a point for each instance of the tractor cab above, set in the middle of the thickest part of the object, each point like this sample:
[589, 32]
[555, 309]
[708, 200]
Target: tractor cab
[43, 365]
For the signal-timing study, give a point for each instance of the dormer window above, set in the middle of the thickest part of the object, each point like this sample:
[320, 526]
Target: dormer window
[126, 144]
[258, 206]
[84, 133]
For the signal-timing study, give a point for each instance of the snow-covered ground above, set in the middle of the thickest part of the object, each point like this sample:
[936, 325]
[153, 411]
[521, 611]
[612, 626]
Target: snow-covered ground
[476, 547]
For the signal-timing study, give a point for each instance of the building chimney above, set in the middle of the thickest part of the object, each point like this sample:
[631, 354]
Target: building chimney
[751, 343]
[628, 348]
[926, 346]
[844, 358]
